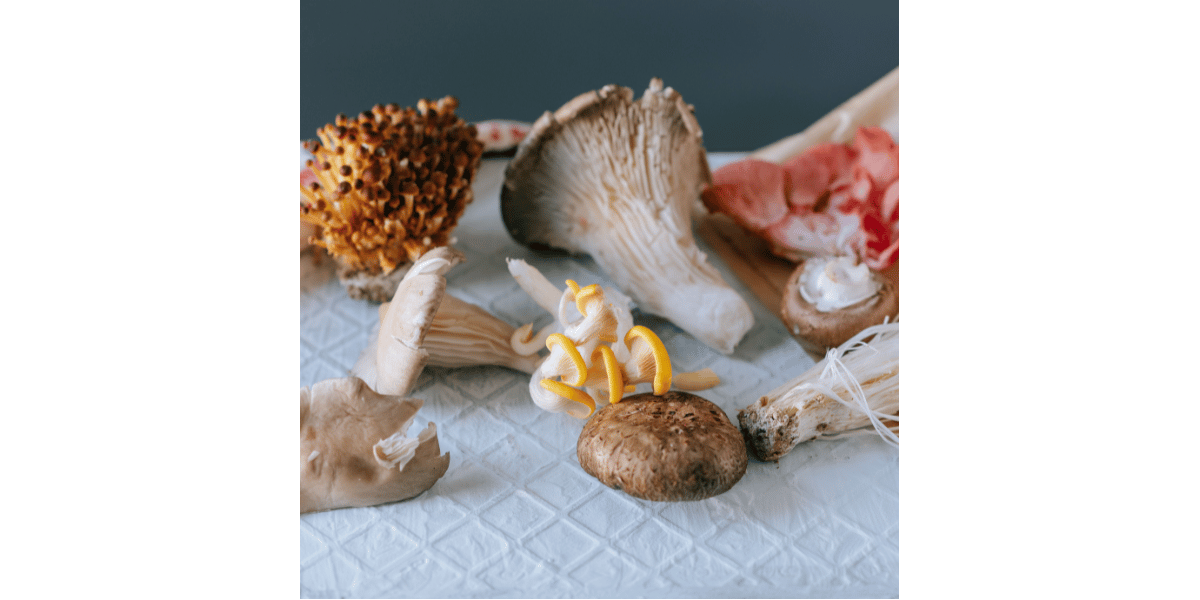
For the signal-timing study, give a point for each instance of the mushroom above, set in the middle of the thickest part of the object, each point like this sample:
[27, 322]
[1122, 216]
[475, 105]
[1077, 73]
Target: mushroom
[617, 180]
[424, 325]
[308, 230]
[390, 185]
[464, 335]
[857, 384]
[673, 447]
[828, 300]
[354, 451]
[597, 354]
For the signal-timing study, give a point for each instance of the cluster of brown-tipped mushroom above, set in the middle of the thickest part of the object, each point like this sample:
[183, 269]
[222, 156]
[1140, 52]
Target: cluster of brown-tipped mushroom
[391, 183]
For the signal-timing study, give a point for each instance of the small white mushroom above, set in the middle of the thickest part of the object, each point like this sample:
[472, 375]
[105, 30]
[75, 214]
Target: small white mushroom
[617, 180]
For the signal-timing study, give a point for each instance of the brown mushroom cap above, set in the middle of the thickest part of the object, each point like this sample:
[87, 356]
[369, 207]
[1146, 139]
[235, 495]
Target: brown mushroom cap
[673, 447]
[343, 425]
[833, 328]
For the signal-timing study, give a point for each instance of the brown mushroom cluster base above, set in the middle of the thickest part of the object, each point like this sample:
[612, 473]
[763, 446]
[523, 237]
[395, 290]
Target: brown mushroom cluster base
[824, 330]
[362, 285]
[670, 448]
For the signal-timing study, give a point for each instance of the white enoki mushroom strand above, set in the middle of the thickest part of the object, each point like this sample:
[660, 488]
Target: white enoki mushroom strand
[882, 352]
[836, 370]
[396, 450]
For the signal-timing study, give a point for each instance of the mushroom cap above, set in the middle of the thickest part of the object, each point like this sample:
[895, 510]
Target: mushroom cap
[831, 329]
[343, 425]
[540, 218]
[673, 447]
[617, 180]
[394, 359]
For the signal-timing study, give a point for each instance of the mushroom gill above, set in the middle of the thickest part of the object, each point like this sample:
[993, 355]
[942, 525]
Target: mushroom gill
[617, 180]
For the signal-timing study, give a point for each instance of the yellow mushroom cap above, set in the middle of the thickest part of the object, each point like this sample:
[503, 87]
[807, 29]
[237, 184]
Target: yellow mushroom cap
[662, 361]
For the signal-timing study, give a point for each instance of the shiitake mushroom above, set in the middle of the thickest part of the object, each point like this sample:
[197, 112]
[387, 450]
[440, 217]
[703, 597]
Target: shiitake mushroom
[673, 447]
[825, 330]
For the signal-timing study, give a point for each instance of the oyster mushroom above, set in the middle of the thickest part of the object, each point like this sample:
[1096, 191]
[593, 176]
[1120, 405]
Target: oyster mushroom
[389, 185]
[597, 354]
[670, 448]
[354, 451]
[464, 335]
[617, 180]
[424, 325]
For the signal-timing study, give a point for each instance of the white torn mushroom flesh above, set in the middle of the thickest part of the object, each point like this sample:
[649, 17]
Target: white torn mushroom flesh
[856, 385]
[354, 450]
[823, 309]
[617, 180]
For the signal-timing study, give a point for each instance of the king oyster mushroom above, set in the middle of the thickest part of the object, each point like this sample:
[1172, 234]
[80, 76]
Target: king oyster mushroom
[424, 325]
[617, 180]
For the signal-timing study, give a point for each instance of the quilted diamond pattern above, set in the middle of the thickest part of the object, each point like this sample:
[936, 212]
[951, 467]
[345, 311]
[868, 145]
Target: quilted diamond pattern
[515, 516]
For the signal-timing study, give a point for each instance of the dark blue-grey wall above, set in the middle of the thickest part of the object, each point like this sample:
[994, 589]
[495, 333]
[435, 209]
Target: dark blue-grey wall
[756, 71]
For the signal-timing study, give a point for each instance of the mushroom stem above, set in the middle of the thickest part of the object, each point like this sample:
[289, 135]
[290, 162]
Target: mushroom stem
[535, 285]
[855, 385]
[695, 381]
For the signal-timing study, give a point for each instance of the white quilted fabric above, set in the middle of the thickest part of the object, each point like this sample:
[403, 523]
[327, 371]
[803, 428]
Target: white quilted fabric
[515, 516]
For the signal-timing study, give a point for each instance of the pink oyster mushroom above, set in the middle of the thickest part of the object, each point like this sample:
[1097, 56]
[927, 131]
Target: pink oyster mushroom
[833, 199]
